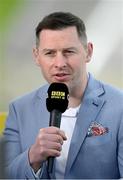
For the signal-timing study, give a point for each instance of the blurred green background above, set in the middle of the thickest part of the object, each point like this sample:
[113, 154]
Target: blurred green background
[18, 19]
[9, 12]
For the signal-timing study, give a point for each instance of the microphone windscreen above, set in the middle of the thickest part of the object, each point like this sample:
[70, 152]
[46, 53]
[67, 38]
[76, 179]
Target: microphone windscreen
[57, 97]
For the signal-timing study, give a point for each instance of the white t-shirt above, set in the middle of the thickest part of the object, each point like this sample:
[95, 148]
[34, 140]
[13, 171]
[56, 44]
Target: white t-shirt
[68, 121]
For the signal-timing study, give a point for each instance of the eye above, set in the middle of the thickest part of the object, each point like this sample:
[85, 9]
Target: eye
[69, 52]
[50, 53]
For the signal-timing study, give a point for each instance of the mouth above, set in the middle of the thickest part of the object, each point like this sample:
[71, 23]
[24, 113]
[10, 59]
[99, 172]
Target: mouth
[61, 76]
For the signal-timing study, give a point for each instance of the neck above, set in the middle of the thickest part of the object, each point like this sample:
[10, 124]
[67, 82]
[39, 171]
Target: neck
[76, 93]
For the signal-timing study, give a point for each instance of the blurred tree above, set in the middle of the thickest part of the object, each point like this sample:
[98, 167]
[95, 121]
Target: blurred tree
[8, 11]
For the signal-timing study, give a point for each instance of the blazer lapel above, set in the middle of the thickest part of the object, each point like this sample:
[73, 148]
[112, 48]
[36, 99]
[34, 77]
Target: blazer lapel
[90, 107]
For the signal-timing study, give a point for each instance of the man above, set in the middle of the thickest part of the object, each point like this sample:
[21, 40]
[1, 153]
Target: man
[89, 143]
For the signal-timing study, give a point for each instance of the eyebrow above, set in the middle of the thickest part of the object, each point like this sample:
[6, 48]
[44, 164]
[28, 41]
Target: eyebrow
[45, 50]
[64, 49]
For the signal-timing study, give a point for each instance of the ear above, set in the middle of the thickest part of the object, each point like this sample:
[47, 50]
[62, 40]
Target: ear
[89, 51]
[36, 56]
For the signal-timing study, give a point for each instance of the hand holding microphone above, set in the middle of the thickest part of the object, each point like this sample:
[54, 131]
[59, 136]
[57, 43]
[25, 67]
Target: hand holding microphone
[57, 103]
[49, 141]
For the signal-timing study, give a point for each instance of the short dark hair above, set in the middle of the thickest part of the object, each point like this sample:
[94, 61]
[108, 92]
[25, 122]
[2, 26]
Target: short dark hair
[61, 20]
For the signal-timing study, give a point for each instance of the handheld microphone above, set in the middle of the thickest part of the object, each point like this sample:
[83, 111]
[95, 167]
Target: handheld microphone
[56, 103]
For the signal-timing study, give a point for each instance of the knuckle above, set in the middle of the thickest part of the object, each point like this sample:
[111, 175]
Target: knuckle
[59, 147]
[42, 130]
[59, 139]
[57, 153]
[43, 151]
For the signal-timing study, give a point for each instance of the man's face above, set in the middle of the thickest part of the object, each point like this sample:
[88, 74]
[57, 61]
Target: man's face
[62, 57]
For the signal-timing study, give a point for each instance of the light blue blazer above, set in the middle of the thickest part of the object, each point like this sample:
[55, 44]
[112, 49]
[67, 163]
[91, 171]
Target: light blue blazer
[90, 157]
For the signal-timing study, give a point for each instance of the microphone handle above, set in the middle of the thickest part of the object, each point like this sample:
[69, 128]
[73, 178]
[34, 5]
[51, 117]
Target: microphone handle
[55, 120]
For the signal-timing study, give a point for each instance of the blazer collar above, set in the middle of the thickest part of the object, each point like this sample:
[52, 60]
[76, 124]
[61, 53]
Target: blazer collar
[90, 107]
[94, 88]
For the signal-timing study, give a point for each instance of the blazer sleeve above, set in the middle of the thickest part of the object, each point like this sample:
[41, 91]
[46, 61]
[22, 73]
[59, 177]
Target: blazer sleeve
[16, 162]
[120, 148]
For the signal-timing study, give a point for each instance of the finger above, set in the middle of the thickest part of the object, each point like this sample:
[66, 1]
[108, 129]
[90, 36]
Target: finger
[53, 130]
[56, 138]
[53, 153]
[50, 130]
[62, 133]
[46, 152]
[53, 145]
[50, 137]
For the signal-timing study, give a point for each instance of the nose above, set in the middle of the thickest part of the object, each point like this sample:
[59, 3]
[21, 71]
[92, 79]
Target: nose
[60, 61]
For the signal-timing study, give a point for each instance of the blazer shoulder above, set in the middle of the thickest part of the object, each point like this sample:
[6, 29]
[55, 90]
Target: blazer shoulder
[113, 93]
[31, 96]
[110, 88]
